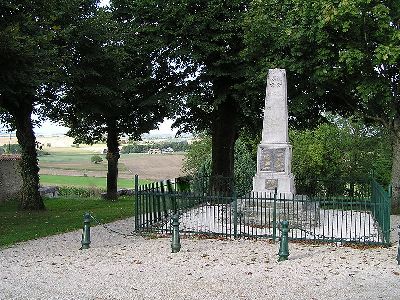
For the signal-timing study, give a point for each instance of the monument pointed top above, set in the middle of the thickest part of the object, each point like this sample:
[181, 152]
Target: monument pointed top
[275, 125]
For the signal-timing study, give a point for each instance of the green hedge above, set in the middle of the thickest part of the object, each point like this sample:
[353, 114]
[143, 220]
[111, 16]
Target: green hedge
[82, 192]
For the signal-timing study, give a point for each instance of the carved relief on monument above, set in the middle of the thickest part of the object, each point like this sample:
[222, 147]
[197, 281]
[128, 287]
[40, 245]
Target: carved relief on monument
[279, 161]
[266, 159]
[275, 84]
[272, 160]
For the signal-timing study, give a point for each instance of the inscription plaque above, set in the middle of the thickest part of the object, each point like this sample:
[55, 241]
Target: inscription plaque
[271, 184]
[272, 160]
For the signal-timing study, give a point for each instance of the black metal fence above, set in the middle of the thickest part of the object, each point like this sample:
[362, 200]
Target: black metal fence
[361, 214]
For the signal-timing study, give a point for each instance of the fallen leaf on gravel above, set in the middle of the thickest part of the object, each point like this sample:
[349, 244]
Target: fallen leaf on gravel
[248, 273]
[396, 273]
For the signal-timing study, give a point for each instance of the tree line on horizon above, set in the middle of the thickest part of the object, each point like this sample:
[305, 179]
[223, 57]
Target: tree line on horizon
[121, 69]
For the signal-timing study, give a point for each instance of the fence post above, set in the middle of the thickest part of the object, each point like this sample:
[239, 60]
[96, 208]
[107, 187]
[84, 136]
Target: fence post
[172, 197]
[284, 244]
[136, 202]
[164, 204]
[274, 217]
[235, 215]
[398, 247]
[86, 231]
[176, 242]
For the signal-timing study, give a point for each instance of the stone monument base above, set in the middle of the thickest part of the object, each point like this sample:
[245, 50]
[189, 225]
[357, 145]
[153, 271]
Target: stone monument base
[300, 211]
[264, 185]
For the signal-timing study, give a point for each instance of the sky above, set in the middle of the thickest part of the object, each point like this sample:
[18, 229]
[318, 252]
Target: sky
[49, 128]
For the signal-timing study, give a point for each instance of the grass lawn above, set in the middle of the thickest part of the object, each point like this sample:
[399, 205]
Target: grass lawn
[82, 181]
[61, 215]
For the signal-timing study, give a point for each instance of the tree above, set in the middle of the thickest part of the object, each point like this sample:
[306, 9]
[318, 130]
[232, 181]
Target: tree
[28, 58]
[20, 75]
[29, 36]
[111, 87]
[341, 56]
[202, 42]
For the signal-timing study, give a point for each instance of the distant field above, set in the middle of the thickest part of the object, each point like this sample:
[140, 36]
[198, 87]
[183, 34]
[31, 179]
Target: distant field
[73, 161]
[81, 181]
[76, 162]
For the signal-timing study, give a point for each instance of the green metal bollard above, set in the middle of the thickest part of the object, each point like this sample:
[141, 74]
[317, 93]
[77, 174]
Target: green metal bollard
[284, 244]
[176, 241]
[86, 231]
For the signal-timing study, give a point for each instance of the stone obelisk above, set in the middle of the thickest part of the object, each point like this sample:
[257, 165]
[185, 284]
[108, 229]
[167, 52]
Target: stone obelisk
[274, 153]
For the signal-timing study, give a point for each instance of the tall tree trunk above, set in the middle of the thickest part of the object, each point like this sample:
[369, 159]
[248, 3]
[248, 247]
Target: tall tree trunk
[30, 196]
[112, 158]
[224, 135]
[396, 165]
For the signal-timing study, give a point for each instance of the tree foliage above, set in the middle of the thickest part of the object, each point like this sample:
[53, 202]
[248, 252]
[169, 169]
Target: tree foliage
[345, 150]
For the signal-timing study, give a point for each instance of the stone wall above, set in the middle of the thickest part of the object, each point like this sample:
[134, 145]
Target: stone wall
[10, 177]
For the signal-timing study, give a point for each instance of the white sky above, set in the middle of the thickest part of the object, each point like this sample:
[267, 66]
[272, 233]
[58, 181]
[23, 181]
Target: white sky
[50, 128]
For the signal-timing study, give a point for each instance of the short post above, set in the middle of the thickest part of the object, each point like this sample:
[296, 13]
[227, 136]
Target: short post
[176, 242]
[398, 248]
[284, 244]
[86, 231]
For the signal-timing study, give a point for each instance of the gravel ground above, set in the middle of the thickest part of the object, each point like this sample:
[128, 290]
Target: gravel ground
[116, 267]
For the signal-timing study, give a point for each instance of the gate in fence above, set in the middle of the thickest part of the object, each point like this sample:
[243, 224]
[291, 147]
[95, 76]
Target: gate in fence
[361, 214]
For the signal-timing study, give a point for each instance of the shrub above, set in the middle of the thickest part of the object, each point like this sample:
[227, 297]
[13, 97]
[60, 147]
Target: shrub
[81, 192]
[42, 153]
[12, 148]
[96, 159]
